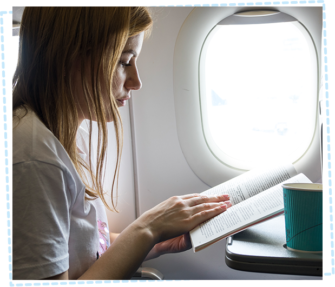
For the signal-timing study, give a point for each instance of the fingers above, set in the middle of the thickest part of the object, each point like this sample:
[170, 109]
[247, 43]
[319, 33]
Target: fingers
[200, 199]
[208, 210]
[207, 214]
[192, 195]
[180, 214]
[211, 205]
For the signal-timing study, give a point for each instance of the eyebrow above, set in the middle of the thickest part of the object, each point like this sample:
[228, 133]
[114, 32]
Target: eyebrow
[130, 52]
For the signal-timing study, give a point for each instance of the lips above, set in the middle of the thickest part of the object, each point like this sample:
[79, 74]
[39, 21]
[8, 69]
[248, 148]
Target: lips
[122, 101]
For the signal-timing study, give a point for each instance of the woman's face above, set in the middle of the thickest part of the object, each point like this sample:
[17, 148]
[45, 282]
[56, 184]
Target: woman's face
[126, 79]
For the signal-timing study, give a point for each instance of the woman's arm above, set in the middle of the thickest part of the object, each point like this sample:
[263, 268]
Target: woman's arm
[113, 236]
[170, 219]
[151, 255]
[121, 259]
[124, 256]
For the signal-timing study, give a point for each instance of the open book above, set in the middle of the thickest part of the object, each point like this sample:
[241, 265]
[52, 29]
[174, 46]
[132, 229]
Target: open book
[256, 196]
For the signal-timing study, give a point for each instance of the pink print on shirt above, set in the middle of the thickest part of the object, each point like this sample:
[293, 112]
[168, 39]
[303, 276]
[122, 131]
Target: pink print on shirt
[103, 237]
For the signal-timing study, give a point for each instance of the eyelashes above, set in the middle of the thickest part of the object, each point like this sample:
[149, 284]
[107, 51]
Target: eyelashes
[124, 64]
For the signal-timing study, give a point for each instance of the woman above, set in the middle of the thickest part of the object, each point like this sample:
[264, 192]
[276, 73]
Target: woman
[76, 64]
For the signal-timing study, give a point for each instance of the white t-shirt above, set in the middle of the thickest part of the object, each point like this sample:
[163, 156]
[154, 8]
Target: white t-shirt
[54, 228]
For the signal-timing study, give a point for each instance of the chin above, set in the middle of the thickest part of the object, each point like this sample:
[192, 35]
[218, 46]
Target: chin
[109, 119]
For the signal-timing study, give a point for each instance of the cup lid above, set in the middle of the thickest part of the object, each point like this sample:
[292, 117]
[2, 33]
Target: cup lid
[315, 187]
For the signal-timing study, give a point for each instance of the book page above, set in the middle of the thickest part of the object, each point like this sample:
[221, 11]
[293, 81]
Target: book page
[244, 214]
[253, 182]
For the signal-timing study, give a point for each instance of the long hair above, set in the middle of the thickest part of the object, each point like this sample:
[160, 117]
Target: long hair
[51, 40]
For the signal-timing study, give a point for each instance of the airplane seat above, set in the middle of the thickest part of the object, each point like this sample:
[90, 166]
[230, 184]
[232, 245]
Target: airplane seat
[147, 273]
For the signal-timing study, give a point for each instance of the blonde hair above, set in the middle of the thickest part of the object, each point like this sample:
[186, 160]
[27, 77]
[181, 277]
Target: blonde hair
[51, 40]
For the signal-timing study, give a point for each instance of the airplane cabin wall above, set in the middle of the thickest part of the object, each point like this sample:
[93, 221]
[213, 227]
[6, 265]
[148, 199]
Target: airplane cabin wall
[162, 170]
[126, 191]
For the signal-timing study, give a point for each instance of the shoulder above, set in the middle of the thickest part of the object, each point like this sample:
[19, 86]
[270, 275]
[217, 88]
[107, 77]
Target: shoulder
[32, 141]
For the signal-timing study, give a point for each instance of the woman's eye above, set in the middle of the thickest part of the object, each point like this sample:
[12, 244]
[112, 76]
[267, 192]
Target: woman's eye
[124, 64]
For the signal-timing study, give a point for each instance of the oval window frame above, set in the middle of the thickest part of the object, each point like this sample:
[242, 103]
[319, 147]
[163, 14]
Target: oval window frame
[187, 98]
[240, 19]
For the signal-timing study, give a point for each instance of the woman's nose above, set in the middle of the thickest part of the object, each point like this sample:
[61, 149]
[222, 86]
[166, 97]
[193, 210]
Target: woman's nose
[134, 82]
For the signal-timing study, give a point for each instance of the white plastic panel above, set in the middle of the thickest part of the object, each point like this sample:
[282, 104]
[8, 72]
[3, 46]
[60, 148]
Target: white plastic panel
[187, 100]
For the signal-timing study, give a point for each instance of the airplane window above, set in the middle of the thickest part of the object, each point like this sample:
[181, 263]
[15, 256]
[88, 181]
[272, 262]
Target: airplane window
[258, 91]
[14, 53]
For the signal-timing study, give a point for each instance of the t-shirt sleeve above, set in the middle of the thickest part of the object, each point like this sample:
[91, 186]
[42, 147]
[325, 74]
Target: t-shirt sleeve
[41, 220]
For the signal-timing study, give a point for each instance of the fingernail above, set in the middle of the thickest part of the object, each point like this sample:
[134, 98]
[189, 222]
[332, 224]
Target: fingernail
[228, 203]
[224, 206]
[225, 196]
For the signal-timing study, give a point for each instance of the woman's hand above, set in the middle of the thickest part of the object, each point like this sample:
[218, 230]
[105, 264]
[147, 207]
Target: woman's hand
[180, 214]
[174, 245]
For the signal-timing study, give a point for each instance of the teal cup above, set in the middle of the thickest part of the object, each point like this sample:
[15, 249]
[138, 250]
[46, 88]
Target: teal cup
[303, 216]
